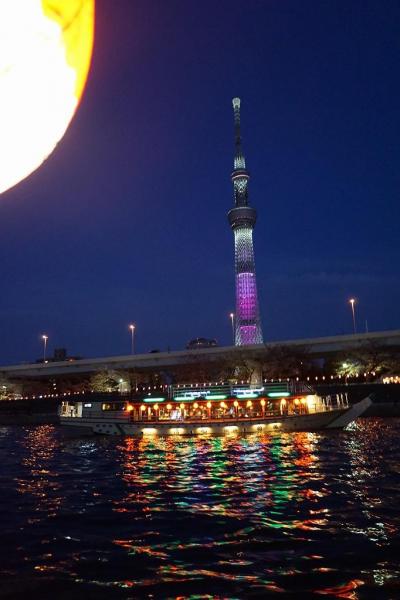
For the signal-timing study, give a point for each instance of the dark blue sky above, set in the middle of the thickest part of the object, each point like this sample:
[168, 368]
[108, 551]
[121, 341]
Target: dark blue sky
[126, 221]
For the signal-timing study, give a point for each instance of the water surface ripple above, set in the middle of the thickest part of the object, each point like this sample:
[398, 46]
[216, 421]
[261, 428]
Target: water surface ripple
[284, 515]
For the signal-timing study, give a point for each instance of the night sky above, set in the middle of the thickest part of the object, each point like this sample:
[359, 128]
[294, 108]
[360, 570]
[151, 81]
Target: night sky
[126, 221]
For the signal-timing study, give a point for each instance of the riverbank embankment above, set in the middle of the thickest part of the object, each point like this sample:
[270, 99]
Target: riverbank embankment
[32, 411]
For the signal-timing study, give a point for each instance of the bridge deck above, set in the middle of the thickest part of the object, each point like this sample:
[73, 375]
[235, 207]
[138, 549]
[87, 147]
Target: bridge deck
[316, 347]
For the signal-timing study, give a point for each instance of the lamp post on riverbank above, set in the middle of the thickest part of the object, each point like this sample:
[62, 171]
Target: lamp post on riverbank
[132, 330]
[352, 301]
[44, 338]
[232, 318]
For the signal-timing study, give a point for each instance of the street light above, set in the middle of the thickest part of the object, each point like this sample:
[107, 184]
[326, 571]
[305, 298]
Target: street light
[44, 338]
[132, 330]
[232, 318]
[352, 301]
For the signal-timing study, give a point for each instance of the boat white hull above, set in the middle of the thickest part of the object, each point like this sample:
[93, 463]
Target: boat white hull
[332, 419]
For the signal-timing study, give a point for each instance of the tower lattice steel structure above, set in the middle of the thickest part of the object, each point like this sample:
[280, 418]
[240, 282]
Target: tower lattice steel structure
[242, 219]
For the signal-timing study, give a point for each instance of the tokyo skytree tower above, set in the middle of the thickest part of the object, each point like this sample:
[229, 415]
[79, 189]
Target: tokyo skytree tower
[242, 219]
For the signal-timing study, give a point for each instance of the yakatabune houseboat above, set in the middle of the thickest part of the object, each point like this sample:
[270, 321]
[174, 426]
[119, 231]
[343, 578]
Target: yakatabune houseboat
[215, 410]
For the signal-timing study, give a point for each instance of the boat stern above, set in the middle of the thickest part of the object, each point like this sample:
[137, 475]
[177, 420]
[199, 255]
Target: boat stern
[352, 413]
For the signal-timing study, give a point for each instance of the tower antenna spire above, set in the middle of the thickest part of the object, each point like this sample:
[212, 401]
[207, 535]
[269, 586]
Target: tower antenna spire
[242, 219]
[239, 162]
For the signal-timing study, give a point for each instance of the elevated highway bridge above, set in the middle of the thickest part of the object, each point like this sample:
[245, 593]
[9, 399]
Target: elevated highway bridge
[322, 347]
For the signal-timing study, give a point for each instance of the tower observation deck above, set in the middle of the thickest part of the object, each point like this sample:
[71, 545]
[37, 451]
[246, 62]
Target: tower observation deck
[242, 219]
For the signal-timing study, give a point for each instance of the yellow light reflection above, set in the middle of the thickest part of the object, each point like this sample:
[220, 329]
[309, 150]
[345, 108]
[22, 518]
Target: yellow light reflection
[45, 52]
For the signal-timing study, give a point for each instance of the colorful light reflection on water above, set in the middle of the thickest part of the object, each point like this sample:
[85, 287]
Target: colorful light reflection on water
[301, 513]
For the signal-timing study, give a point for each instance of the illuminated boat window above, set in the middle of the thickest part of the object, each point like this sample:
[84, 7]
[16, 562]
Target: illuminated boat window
[113, 406]
[177, 430]
[203, 429]
[149, 431]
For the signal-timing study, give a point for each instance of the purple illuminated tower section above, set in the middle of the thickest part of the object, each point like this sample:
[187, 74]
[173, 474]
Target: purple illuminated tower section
[242, 219]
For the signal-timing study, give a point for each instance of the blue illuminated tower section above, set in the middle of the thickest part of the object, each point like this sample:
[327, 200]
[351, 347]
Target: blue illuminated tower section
[242, 219]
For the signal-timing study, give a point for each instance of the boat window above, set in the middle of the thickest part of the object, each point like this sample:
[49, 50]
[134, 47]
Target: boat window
[87, 405]
[112, 406]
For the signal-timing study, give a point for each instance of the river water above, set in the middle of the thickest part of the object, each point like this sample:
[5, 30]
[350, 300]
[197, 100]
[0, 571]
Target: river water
[302, 515]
